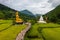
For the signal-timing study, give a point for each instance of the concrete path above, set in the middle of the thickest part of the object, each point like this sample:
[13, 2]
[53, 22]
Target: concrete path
[23, 32]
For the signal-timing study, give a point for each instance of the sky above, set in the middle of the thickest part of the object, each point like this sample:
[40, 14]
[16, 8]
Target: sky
[35, 6]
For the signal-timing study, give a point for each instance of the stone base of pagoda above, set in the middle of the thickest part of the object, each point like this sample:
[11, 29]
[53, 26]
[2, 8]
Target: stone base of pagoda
[41, 22]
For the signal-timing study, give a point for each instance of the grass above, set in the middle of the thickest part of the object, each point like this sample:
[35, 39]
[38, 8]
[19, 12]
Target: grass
[5, 24]
[5, 21]
[47, 25]
[51, 34]
[11, 32]
[49, 31]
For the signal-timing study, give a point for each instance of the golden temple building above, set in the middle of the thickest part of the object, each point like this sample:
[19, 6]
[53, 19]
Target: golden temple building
[18, 20]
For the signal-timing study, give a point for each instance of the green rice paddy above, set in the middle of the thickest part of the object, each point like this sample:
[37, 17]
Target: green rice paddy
[9, 31]
[49, 31]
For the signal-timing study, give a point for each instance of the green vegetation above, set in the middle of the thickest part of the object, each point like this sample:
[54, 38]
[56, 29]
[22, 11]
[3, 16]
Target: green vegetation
[9, 31]
[5, 21]
[49, 31]
[8, 13]
[54, 15]
[27, 15]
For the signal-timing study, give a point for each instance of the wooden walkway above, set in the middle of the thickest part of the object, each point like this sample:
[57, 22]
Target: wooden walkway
[23, 32]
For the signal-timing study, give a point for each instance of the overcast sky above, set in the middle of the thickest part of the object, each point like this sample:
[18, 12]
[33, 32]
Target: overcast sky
[35, 6]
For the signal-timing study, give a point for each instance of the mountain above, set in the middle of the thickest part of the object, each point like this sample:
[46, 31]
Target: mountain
[27, 15]
[54, 15]
[27, 12]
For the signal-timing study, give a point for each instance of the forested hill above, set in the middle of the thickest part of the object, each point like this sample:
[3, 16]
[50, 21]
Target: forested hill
[6, 12]
[27, 15]
[54, 15]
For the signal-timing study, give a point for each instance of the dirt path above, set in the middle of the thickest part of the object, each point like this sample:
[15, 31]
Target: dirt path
[23, 32]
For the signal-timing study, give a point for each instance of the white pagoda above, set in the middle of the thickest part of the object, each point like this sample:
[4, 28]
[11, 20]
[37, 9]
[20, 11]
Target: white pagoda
[41, 20]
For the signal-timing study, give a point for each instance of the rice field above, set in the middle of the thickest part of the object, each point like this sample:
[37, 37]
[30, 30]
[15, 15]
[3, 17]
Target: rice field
[49, 31]
[9, 31]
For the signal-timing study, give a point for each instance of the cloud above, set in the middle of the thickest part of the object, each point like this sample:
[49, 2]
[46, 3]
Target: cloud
[35, 6]
[54, 2]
